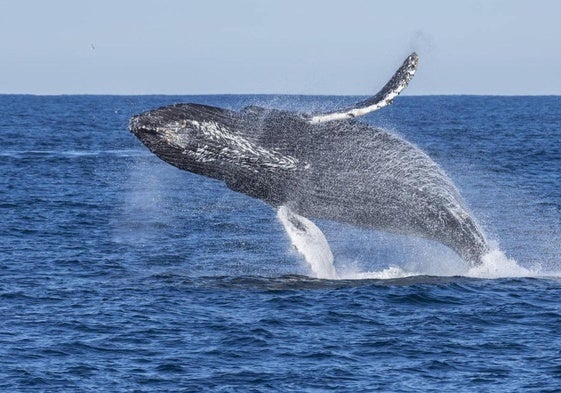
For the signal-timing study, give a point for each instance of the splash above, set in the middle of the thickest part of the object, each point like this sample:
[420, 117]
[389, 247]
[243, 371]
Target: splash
[495, 264]
[142, 212]
[310, 242]
[389, 273]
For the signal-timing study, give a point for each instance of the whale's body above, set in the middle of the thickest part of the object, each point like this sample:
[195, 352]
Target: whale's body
[325, 166]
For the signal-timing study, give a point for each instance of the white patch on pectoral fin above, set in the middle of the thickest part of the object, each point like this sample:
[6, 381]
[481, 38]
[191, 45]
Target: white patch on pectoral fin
[384, 97]
[309, 240]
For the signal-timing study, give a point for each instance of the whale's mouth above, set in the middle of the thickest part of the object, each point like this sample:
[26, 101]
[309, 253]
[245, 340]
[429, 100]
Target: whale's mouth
[137, 126]
[152, 123]
[148, 128]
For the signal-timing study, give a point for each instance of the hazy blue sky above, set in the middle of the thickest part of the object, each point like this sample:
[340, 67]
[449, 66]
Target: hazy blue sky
[284, 46]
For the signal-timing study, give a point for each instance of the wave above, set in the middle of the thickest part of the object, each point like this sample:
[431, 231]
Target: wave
[73, 153]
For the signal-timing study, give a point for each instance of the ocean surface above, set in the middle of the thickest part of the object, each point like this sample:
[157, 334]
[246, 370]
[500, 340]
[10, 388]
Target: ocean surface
[121, 273]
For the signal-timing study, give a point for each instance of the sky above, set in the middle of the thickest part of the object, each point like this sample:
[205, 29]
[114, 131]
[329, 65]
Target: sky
[345, 47]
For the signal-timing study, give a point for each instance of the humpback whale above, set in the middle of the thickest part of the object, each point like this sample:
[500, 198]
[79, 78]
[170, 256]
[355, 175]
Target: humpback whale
[319, 165]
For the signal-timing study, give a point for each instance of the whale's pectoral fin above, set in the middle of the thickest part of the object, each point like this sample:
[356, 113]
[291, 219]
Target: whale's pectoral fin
[310, 241]
[384, 97]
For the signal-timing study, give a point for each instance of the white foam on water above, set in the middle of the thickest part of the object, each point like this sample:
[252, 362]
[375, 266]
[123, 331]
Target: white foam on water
[495, 264]
[391, 272]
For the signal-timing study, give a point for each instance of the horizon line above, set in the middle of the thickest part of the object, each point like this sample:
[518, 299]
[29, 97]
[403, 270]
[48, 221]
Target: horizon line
[269, 95]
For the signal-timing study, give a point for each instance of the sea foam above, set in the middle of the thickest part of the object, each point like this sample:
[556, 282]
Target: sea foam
[310, 242]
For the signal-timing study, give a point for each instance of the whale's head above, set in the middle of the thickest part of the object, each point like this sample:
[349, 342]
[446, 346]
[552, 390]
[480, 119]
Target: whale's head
[214, 142]
[196, 138]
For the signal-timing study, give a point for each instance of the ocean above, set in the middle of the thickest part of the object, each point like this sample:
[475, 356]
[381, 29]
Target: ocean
[121, 273]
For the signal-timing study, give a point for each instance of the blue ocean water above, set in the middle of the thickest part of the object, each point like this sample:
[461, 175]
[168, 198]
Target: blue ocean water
[119, 272]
